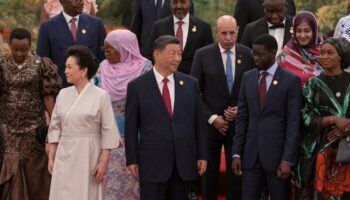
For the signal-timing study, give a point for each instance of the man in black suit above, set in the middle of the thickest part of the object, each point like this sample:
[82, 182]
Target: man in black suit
[219, 68]
[267, 126]
[192, 32]
[276, 23]
[145, 13]
[247, 11]
[165, 135]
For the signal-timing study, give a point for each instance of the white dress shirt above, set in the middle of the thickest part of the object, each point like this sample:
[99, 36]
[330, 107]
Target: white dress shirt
[185, 27]
[271, 72]
[278, 33]
[171, 85]
[155, 2]
[233, 61]
[68, 18]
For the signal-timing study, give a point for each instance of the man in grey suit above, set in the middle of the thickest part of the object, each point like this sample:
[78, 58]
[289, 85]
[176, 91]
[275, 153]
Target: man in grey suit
[267, 126]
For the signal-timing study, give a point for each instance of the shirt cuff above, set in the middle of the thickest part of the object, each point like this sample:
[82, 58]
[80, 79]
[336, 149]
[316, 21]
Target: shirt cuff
[212, 119]
[236, 156]
[291, 164]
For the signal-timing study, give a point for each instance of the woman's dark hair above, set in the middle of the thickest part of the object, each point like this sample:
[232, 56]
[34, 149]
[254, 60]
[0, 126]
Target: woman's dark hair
[343, 48]
[85, 59]
[20, 33]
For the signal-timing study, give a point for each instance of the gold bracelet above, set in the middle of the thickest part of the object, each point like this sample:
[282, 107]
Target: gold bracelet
[331, 119]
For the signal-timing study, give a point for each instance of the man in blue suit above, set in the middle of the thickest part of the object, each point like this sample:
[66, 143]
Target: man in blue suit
[267, 125]
[165, 134]
[145, 12]
[68, 28]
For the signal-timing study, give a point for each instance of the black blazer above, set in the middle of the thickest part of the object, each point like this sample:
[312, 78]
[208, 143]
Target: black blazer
[270, 133]
[143, 16]
[157, 142]
[247, 11]
[208, 68]
[260, 27]
[199, 35]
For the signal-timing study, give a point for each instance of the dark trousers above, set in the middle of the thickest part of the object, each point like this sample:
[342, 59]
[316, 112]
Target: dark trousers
[174, 189]
[210, 180]
[254, 180]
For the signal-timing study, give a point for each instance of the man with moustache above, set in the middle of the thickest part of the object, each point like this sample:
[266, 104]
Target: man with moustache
[165, 135]
[192, 32]
[267, 126]
[219, 68]
[276, 22]
[69, 28]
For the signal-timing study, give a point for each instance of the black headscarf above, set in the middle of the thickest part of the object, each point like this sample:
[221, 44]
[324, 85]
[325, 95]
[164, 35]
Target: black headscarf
[343, 48]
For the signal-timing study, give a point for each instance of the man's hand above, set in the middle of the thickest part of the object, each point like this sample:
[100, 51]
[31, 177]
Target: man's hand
[134, 169]
[237, 166]
[201, 166]
[283, 170]
[221, 125]
[230, 113]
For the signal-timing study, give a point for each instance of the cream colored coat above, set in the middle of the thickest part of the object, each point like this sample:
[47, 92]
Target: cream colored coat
[82, 124]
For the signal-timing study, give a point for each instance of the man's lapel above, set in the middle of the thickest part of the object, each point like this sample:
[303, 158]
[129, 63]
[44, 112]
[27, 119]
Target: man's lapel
[220, 68]
[61, 27]
[273, 86]
[84, 29]
[179, 89]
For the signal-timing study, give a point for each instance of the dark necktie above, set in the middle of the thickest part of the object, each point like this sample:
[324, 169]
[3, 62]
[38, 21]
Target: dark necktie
[276, 26]
[159, 8]
[179, 33]
[262, 88]
[166, 96]
[73, 28]
[229, 71]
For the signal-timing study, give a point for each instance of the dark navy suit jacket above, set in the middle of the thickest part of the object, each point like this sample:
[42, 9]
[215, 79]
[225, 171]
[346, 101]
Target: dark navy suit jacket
[55, 38]
[157, 142]
[208, 68]
[270, 133]
[199, 35]
[144, 15]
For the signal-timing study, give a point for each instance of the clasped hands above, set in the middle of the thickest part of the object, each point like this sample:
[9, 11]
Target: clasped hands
[221, 123]
[341, 128]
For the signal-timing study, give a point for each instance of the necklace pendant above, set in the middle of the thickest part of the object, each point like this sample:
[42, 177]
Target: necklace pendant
[19, 66]
[338, 94]
[348, 139]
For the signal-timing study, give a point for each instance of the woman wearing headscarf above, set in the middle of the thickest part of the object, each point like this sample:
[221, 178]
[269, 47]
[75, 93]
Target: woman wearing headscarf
[300, 54]
[327, 119]
[123, 63]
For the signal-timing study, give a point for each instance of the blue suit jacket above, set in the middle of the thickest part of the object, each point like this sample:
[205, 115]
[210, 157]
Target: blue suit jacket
[157, 142]
[270, 132]
[55, 38]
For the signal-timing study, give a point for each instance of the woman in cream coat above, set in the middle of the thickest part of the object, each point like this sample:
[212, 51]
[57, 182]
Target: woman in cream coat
[82, 132]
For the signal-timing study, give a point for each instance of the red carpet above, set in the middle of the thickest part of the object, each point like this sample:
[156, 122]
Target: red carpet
[221, 179]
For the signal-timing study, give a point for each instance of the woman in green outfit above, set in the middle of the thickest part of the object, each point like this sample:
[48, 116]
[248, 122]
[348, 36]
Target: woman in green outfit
[326, 117]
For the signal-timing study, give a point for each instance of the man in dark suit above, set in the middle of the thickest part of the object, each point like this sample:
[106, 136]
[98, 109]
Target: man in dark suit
[68, 28]
[145, 12]
[192, 32]
[267, 125]
[219, 68]
[276, 23]
[247, 11]
[165, 135]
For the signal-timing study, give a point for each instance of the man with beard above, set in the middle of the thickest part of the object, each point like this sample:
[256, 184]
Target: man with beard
[192, 32]
[267, 125]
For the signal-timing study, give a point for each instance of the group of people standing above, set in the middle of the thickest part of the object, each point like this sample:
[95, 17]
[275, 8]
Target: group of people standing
[129, 126]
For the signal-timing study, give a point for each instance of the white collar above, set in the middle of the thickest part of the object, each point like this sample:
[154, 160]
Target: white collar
[283, 22]
[159, 77]
[68, 17]
[271, 70]
[222, 50]
[186, 19]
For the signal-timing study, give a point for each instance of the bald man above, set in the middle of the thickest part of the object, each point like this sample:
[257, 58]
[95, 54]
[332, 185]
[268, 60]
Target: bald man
[276, 22]
[219, 68]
